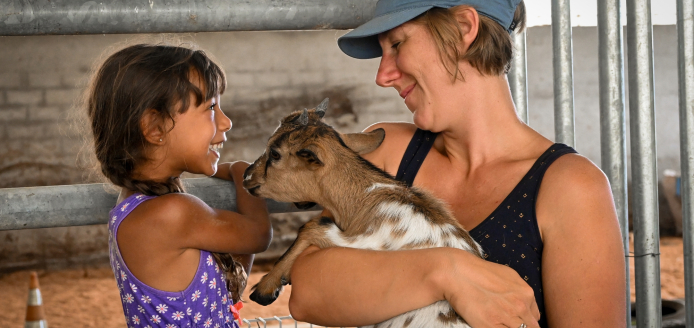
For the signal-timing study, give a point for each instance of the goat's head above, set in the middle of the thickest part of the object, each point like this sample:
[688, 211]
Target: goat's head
[302, 150]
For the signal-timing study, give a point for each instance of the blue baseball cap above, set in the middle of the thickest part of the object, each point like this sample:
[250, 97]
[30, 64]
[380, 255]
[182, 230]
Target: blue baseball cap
[362, 42]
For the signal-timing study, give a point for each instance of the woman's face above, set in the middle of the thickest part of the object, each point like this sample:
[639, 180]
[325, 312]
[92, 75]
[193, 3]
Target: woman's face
[411, 64]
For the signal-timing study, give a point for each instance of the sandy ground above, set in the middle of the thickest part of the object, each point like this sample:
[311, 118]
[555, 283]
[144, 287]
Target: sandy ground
[89, 298]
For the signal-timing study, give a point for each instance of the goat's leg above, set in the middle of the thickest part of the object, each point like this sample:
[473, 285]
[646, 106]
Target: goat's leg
[312, 233]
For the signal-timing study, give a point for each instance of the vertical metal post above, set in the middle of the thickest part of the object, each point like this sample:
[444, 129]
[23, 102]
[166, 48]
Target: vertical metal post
[613, 146]
[517, 75]
[643, 163]
[685, 41]
[563, 73]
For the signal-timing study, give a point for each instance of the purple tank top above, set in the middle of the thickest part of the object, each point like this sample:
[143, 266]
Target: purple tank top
[204, 303]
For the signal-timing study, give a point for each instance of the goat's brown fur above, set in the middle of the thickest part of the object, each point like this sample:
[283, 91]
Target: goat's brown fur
[308, 161]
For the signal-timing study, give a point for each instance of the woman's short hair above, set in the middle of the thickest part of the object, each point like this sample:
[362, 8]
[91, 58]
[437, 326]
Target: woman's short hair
[490, 53]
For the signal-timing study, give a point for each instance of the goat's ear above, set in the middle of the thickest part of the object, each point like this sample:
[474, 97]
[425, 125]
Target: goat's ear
[365, 142]
[308, 156]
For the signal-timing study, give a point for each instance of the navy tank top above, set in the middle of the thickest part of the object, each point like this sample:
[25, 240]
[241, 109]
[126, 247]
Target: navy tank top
[510, 234]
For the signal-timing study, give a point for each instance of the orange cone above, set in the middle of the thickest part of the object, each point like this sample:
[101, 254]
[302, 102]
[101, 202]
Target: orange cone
[35, 316]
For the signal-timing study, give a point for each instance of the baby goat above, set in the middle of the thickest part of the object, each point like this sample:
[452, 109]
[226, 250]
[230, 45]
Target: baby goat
[307, 161]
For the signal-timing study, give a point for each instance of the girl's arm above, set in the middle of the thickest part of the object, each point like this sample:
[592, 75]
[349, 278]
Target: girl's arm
[189, 223]
[583, 274]
[354, 287]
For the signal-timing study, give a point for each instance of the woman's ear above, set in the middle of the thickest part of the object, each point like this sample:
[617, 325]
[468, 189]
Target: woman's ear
[153, 127]
[469, 21]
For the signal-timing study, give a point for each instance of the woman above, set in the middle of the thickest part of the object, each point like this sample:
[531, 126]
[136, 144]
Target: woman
[541, 210]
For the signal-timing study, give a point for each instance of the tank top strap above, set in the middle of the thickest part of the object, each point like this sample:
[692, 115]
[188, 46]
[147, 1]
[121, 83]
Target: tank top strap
[414, 156]
[534, 177]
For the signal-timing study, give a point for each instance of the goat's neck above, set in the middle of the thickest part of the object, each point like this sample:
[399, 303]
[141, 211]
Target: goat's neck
[345, 192]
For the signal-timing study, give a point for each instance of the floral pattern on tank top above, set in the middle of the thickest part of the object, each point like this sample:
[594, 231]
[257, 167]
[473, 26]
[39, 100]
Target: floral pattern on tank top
[204, 303]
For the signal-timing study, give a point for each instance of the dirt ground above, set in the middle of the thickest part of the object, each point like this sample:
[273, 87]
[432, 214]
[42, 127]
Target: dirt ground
[89, 297]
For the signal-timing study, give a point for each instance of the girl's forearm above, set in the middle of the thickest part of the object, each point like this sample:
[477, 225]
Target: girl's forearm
[354, 287]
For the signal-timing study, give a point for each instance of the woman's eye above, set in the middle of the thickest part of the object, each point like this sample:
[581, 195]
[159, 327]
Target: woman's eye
[395, 45]
[274, 155]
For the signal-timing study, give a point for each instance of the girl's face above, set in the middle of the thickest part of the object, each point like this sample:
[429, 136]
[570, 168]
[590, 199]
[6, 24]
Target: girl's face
[411, 64]
[196, 139]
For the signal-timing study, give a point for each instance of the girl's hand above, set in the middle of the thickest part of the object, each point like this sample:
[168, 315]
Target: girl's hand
[487, 294]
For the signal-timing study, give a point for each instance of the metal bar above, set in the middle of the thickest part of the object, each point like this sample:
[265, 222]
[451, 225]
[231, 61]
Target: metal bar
[563, 73]
[643, 163]
[517, 75]
[74, 205]
[685, 36]
[613, 145]
[38, 17]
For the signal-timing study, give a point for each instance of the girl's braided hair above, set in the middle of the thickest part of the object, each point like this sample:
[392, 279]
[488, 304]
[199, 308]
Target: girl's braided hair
[130, 82]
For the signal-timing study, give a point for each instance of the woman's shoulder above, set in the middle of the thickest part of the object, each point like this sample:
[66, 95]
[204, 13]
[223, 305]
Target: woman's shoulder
[398, 135]
[574, 191]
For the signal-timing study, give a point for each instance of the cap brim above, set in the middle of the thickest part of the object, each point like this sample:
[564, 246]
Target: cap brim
[362, 42]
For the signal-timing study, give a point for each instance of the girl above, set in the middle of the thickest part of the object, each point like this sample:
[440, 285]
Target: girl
[543, 214]
[155, 113]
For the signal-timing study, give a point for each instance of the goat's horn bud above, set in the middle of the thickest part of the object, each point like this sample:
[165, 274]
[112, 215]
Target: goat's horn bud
[320, 110]
[303, 118]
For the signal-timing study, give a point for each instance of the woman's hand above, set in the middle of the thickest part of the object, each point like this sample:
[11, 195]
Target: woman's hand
[487, 294]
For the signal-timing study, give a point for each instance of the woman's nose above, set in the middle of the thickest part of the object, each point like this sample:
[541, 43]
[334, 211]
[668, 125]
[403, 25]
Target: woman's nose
[387, 71]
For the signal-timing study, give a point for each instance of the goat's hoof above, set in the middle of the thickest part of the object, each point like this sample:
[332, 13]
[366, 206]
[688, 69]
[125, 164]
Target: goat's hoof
[265, 299]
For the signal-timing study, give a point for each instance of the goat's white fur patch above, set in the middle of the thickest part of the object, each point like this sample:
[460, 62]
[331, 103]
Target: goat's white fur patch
[380, 185]
[416, 226]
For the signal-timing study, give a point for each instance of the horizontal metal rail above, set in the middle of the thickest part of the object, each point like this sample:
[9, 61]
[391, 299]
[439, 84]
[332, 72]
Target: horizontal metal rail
[39, 17]
[86, 204]
[278, 320]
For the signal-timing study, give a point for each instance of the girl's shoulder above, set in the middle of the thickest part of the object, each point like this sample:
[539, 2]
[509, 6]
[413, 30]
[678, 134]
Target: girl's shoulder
[171, 210]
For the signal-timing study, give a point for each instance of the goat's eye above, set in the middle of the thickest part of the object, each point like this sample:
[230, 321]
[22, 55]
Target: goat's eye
[275, 155]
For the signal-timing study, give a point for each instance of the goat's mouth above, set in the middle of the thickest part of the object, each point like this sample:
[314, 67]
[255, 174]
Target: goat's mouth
[252, 190]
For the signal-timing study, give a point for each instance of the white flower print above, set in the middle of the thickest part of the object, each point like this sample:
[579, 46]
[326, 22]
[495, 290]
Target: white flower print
[213, 306]
[178, 315]
[216, 325]
[148, 326]
[162, 308]
[220, 314]
[117, 266]
[209, 260]
[204, 302]
[224, 299]
[213, 283]
[208, 322]
[136, 320]
[141, 309]
[216, 268]
[133, 287]
[138, 197]
[122, 209]
[128, 298]
[226, 319]
[189, 311]
[146, 299]
[197, 317]
[203, 279]
[123, 276]
[113, 219]
[172, 298]
[171, 325]
[156, 318]
[219, 292]
[195, 296]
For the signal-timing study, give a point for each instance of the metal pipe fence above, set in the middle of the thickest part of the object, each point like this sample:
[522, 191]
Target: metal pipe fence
[613, 146]
[278, 322]
[685, 38]
[24, 208]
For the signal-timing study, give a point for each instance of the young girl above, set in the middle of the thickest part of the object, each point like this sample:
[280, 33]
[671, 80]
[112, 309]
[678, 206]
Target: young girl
[154, 112]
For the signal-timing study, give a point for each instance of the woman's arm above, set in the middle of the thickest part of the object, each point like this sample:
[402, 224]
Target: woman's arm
[583, 274]
[353, 287]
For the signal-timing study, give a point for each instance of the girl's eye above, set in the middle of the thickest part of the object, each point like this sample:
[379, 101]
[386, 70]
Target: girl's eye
[212, 106]
[274, 155]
